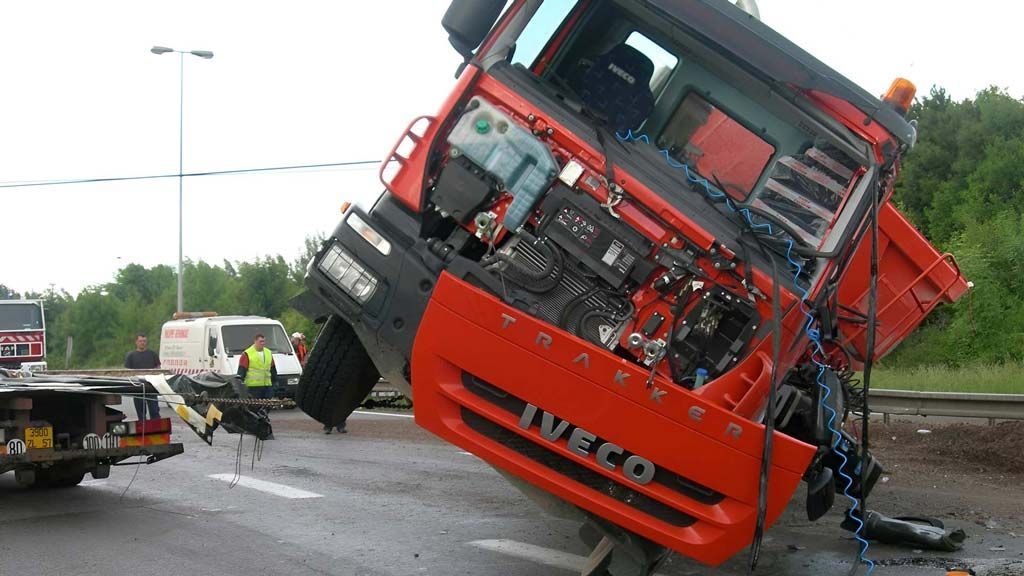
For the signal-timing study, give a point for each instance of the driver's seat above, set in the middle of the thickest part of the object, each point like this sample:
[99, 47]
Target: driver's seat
[617, 87]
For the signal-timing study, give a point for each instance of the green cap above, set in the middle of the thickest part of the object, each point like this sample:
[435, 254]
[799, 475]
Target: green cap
[483, 126]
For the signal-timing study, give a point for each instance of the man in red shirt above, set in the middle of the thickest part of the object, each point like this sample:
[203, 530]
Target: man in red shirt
[299, 343]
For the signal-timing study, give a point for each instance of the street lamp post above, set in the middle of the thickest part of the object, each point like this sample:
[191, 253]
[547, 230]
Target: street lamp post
[206, 55]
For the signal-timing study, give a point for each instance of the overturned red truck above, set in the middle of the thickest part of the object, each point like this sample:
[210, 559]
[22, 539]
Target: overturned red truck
[634, 262]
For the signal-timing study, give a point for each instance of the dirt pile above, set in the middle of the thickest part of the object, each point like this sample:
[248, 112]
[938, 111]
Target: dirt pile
[998, 448]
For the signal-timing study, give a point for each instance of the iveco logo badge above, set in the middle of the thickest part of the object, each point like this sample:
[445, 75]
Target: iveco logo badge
[636, 469]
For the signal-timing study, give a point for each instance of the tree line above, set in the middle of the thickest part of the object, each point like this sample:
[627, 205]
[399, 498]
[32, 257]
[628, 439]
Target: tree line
[962, 185]
[103, 320]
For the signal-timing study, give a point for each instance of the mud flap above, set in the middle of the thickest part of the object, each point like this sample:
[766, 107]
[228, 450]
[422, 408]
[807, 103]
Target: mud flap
[821, 494]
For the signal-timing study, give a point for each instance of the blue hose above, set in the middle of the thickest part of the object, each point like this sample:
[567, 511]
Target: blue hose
[813, 334]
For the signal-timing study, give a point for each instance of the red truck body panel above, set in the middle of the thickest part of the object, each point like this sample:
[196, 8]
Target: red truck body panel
[469, 336]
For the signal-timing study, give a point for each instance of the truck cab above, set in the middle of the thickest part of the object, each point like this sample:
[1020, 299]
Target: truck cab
[207, 343]
[22, 334]
[632, 229]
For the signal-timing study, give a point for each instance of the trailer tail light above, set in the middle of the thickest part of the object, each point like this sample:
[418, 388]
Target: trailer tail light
[145, 440]
[900, 95]
[138, 428]
[143, 433]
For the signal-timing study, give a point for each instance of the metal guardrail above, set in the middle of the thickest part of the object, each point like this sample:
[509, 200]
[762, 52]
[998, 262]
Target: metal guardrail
[112, 372]
[957, 404]
[886, 402]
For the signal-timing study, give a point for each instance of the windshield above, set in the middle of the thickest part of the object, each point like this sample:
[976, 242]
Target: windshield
[238, 337]
[699, 117]
[26, 316]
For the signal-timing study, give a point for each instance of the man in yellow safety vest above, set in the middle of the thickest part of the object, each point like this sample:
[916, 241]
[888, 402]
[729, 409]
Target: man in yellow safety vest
[256, 368]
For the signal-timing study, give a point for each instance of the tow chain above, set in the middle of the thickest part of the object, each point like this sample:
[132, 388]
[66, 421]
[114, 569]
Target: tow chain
[399, 402]
[192, 399]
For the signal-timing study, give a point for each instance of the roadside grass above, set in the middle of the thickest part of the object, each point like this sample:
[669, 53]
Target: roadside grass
[998, 378]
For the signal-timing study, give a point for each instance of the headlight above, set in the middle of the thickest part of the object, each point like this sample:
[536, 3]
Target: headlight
[119, 429]
[293, 381]
[350, 275]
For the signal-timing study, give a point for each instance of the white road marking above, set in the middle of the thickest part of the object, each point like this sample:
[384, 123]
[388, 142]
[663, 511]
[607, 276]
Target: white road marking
[537, 554]
[268, 487]
[368, 413]
[93, 482]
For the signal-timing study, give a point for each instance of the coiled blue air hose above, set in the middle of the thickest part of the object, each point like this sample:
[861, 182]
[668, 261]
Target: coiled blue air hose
[813, 334]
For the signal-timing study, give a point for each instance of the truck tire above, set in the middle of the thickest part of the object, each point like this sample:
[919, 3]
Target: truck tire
[338, 375]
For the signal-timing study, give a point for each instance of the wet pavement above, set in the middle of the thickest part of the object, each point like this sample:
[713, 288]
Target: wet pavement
[385, 499]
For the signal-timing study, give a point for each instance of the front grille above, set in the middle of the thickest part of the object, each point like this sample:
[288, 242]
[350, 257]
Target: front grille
[514, 405]
[574, 471]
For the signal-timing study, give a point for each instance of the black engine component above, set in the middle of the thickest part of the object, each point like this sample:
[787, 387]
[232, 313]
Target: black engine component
[713, 333]
[800, 413]
[578, 224]
[856, 458]
[462, 190]
[573, 298]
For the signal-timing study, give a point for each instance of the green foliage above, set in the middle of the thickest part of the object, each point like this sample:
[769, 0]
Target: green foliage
[963, 186]
[989, 378]
[103, 320]
[8, 294]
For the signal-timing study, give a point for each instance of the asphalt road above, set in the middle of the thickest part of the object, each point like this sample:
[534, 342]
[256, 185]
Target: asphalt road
[385, 499]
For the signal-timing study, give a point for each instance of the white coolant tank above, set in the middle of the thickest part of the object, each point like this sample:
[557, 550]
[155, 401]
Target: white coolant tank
[494, 142]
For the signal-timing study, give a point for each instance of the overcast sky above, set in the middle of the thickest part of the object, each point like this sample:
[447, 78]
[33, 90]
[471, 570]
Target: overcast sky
[303, 83]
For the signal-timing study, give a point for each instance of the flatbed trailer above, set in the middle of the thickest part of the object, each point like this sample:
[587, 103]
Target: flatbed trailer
[54, 433]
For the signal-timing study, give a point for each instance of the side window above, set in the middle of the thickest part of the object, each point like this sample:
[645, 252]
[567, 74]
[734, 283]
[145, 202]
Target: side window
[540, 29]
[663, 60]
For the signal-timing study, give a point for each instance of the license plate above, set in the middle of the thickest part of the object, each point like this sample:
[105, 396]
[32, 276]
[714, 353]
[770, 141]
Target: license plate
[39, 437]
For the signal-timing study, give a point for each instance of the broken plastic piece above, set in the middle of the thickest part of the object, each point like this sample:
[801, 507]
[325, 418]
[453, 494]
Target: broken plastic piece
[918, 532]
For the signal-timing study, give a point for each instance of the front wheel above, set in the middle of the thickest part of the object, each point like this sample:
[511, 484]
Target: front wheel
[338, 375]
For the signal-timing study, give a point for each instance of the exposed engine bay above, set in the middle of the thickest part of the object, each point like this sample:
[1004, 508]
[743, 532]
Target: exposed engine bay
[563, 255]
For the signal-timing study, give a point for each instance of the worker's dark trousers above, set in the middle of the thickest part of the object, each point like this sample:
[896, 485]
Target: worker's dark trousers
[262, 392]
[140, 408]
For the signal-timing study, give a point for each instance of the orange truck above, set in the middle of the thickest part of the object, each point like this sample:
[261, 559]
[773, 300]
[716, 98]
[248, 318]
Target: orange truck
[634, 262]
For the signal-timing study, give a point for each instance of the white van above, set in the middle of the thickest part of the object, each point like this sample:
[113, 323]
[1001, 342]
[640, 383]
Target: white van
[209, 343]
